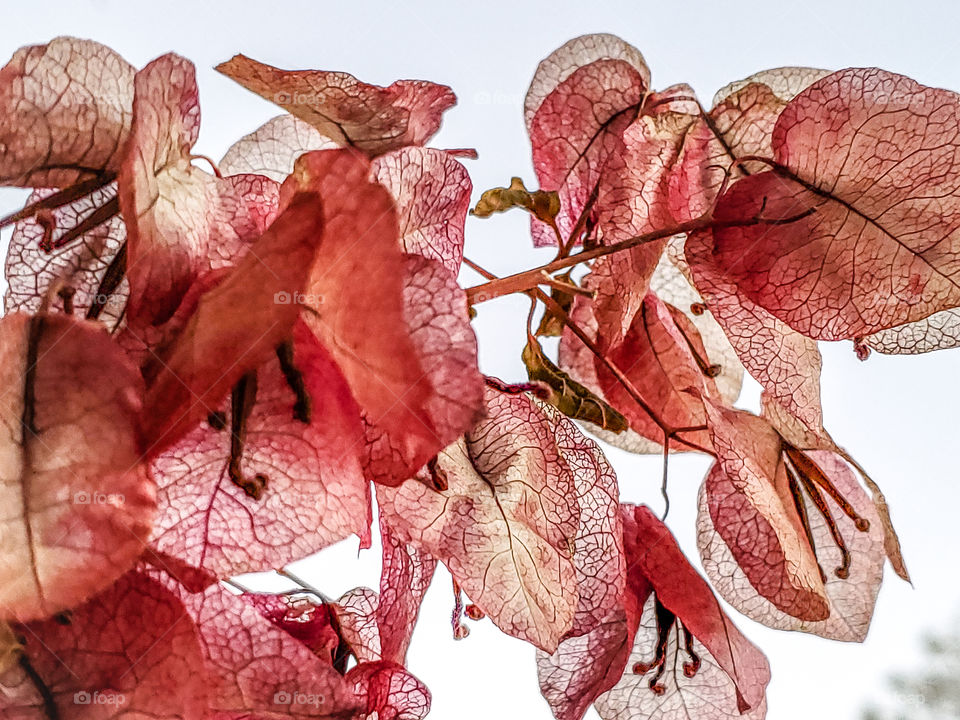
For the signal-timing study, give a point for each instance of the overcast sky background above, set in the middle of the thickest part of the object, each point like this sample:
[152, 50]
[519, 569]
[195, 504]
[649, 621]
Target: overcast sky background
[896, 415]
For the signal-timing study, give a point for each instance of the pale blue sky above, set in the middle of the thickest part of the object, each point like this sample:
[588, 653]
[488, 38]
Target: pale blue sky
[898, 416]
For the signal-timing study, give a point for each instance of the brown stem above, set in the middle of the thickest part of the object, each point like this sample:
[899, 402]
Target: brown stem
[46, 696]
[663, 481]
[800, 506]
[566, 287]
[555, 308]
[528, 279]
[60, 198]
[242, 400]
[303, 406]
[110, 281]
[98, 217]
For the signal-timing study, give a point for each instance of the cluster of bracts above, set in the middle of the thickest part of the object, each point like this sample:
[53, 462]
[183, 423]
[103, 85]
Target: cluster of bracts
[211, 369]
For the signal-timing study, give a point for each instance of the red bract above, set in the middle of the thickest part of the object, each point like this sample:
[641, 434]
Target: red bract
[257, 669]
[432, 193]
[663, 357]
[65, 111]
[669, 616]
[710, 693]
[308, 622]
[577, 125]
[71, 468]
[272, 149]
[633, 199]
[404, 580]
[129, 651]
[436, 320]
[865, 153]
[383, 689]
[406, 350]
[306, 468]
[505, 524]
[851, 600]
[786, 363]
[88, 267]
[243, 318]
[372, 119]
[388, 692]
[573, 54]
[788, 538]
[747, 491]
[739, 125]
[176, 214]
[579, 362]
[682, 623]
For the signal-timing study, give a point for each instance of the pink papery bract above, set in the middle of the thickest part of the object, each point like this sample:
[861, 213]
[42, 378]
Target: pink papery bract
[65, 113]
[432, 193]
[32, 268]
[256, 669]
[392, 323]
[865, 156]
[659, 357]
[505, 525]
[370, 118]
[653, 552]
[388, 692]
[438, 327]
[314, 495]
[72, 465]
[272, 149]
[177, 215]
[786, 363]
[244, 318]
[301, 617]
[129, 651]
[850, 601]
[739, 125]
[404, 579]
[578, 125]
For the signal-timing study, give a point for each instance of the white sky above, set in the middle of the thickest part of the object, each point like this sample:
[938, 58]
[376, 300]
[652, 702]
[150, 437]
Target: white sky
[896, 415]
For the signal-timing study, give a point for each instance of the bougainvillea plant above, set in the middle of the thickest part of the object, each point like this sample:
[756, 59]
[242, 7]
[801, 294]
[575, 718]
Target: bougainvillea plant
[215, 368]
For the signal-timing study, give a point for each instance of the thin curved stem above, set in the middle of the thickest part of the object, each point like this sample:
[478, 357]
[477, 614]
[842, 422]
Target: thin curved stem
[304, 584]
[50, 708]
[529, 279]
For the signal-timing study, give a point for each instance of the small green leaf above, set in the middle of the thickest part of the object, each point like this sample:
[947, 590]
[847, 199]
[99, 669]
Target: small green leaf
[568, 396]
[544, 205]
